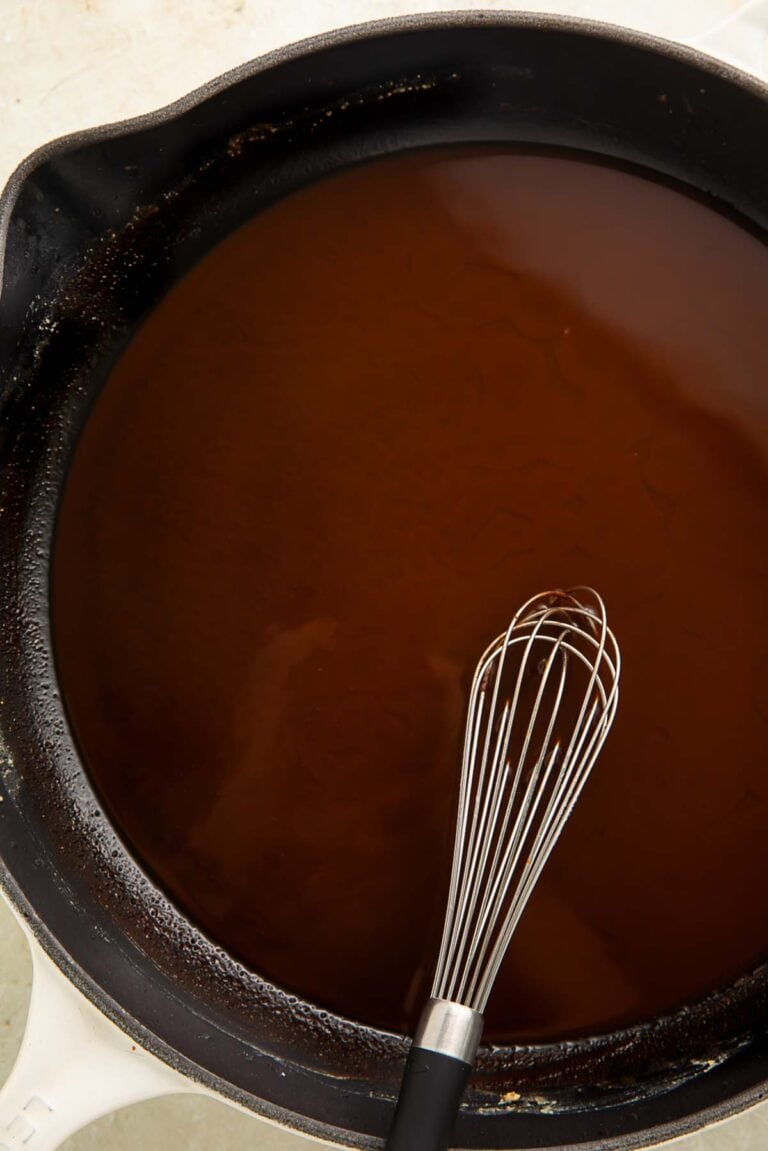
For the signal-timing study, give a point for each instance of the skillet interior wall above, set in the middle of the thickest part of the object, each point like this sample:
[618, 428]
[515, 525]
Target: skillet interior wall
[85, 290]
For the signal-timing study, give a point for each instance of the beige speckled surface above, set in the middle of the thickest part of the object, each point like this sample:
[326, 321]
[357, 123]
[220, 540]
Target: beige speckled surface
[71, 64]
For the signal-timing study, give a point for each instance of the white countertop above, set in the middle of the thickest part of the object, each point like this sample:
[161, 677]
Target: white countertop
[72, 64]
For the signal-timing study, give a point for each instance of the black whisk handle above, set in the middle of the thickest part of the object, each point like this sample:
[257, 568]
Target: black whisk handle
[435, 1076]
[430, 1096]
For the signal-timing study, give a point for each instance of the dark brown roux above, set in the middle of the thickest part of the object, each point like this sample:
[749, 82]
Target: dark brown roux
[331, 464]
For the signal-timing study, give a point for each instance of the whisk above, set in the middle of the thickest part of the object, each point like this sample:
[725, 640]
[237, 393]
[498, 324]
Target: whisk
[542, 701]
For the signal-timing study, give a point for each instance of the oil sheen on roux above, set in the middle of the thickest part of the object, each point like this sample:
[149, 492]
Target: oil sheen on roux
[327, 469]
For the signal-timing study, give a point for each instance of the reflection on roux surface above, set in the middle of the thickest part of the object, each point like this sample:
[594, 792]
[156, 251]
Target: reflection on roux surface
[331, 464]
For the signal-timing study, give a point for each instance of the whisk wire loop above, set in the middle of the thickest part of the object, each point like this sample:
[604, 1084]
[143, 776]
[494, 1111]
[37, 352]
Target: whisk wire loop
[548, 686]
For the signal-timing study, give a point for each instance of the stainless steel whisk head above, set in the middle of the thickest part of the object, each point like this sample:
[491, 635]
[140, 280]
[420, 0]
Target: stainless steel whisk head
[543, 698]
[533, 732]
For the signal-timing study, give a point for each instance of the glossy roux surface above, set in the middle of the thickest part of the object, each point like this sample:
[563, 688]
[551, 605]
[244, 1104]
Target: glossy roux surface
[327, 470]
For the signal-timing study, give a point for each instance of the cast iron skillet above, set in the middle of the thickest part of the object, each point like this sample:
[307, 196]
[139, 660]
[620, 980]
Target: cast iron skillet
[96, 228]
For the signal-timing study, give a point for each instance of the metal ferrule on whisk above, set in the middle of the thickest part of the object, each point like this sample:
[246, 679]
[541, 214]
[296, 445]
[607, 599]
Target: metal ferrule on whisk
[450, 1029]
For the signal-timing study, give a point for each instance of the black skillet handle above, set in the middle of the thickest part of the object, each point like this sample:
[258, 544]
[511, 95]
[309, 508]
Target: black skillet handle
[435, 1076]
